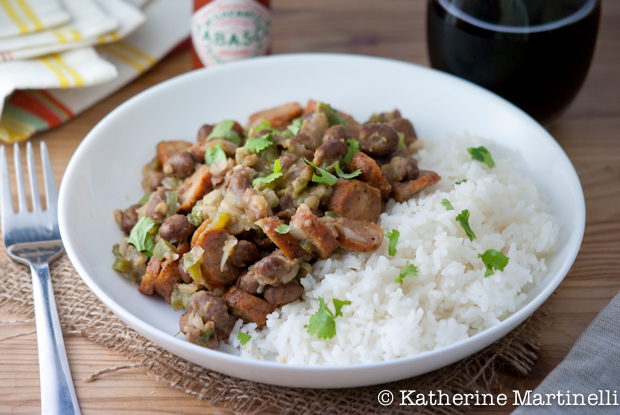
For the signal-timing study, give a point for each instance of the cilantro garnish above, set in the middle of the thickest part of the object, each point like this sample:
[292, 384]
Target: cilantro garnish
[282, 229]
[224, 130]
[215, 154]
[344, 175]
[277, 167]
[447, 204]
[482, 155]
[325, 177]
[139, 235]
[244, 338]
[265, 125]
[256, 145]
[493, 259]
[295, 126]
[393, 237]
[462, 181]
[323, 322]
[331, 214]
[333, 118]
[463, 219]
[354, 148]
[401, 141]
[408, 270]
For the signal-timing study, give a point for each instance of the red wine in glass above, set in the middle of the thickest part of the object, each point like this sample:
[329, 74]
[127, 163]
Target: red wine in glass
[535, 53]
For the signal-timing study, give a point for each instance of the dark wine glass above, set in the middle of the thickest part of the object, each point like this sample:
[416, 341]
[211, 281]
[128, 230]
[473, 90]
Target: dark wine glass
[535, 53]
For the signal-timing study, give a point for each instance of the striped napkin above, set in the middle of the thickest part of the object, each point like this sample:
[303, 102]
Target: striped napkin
[19, 17]
[54, 88]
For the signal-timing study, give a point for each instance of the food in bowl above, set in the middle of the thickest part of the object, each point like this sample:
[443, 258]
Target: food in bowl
[263, 226]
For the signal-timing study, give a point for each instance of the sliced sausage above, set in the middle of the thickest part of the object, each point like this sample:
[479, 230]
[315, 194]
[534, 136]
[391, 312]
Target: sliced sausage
[278, 117]
[276, 269]
[167, 279]
[176, 229]
[194, 188]
[284, 294]
[147, 285]
[358, 236]
[357, 200]
[378, 140]
[286, 242]
[249, 308]
[405, 190]
[370, 173]
[306, 226]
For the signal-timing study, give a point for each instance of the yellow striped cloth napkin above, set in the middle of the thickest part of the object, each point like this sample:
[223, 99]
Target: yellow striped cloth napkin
[35, 108]
[20, 17]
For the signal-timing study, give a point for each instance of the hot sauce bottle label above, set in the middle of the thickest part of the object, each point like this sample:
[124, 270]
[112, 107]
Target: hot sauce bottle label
[230, 30]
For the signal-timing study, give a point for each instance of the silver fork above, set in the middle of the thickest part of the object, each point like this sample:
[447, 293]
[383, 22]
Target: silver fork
[33, 238]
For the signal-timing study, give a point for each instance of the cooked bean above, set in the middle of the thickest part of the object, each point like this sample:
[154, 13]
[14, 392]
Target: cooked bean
[370, 173]
[284, 294]
[354, 199]
[209, 307]
[403, 191]
[165, 149]
[179, 164]
[248, 307]
[246, 253]
[212, 241]
[311, 132]
[400, 169]
[337, 132]
[276, 269]
[176, 229]
[239, 181]
[129, 218]
[330, 152]
[247, 282]
[204, 132]
[378, 140]
[156, 206]
[404, 126]
[287, 160]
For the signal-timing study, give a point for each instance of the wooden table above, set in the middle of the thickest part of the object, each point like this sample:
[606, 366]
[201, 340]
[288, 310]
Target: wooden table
[588, 132]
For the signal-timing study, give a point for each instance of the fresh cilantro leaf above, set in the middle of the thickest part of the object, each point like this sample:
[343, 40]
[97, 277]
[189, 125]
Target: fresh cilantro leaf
[145, 199]
[224, 130]
[408, 270]
[256, 145]
[338, 306]
[393, 237]
[215, 154]
[287, 134]
[244, 338]
[277, 167]
[331, 214]
[282, 229]
[493, 259]
[462, 181]
[463, 219]
[265, 125]
[447, 204]
[323, 322]
[482, 155]
[333, 118]
[401, 141]
[345, 175]
[354, 148]
[139, 235]
[325, 177]
[295, 126]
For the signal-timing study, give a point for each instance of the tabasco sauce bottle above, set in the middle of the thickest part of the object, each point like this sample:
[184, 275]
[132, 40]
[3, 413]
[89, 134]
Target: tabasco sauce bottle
[229, 30]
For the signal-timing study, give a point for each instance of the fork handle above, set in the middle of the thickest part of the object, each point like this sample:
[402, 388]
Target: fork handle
[57, 391]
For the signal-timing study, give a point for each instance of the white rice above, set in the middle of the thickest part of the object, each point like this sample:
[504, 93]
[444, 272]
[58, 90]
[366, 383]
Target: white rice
[450, 299]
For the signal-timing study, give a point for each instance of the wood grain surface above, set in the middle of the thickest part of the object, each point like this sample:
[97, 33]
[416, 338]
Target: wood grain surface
[588, 132]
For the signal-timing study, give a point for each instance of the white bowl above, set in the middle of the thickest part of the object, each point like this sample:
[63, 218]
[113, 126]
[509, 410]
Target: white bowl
[105, 173]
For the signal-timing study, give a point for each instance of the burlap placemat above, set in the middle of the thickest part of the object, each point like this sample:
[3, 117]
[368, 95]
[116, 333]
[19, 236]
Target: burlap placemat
[82, 314]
